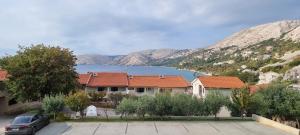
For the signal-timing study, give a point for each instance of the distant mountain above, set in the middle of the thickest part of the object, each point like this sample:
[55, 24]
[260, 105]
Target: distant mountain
[146, 57]
[267, 47]
[96, 59]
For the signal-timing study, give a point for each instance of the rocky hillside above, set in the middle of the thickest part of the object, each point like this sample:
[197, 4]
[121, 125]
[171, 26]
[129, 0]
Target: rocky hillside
[257, 51]
[282, 29]
[269, 51]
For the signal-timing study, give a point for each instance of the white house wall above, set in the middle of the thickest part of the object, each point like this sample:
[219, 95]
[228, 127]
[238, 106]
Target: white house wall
[196, 84]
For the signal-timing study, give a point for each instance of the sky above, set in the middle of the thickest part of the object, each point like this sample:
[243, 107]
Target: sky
[114, 27]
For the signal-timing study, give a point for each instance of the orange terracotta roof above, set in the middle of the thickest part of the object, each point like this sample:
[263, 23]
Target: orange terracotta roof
[108, 79]
[3, 75]
[255, 88]
[158, 81]
[84, 78]
[226, 82]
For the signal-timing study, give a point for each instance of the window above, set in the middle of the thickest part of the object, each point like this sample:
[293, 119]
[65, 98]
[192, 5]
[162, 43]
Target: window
[122, 89]
[34, 118]
[140, 90]
[113, 89]
[101, 89]
[130, 88]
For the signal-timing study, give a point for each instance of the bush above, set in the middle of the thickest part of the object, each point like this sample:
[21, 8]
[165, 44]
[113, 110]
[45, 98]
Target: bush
[53, 104]
[214, 101]
[240, 101]
[163, 104]
[144, 104]
[281, 102]
[77, 101]
[116, 98]
[184, 105]
[127, 107]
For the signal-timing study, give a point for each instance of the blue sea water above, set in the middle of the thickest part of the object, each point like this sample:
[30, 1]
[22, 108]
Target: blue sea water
[138, 70]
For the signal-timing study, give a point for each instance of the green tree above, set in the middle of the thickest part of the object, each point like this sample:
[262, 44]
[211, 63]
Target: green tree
[116, 98]
[53, 104]
[40, 70]
[127, 107]
[240, 100]
[281, 100]
[163, 104]
[184, 105]
[214, 101]
[144, 105]
[257, 105]
[77, 101]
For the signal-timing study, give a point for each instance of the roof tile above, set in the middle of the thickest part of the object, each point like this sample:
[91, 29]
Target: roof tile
[226, 82]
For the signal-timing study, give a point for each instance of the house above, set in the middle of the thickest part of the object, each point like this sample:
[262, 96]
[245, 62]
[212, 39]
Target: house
[112, 82]
[140, 85]
[3, 95]
[104, 82]
[224, 84]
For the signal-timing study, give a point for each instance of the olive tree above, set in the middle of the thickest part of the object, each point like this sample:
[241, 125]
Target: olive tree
[144, 104]
[127, 107]
[77, 101]
[53, 104]
[214, 101]
[163, 104]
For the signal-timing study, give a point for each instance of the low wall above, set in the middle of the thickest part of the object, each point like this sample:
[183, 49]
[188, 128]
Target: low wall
[275, 124]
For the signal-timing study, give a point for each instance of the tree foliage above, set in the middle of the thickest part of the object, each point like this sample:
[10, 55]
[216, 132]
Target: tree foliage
[214, 101]
[144, 104]
[163, 104]
[40, 70]
[77, 101]
[53, 104]
[127, 107]
[241, 99]
[282, 102]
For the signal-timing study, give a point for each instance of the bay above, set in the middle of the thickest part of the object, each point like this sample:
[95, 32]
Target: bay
[138, 70]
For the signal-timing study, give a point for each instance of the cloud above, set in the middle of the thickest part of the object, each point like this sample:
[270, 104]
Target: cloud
[120, 27]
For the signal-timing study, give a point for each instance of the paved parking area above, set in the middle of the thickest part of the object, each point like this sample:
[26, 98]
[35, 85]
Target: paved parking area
[160, 128]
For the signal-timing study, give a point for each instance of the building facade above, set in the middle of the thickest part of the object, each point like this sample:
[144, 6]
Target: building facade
[204, 85]
[110, 82]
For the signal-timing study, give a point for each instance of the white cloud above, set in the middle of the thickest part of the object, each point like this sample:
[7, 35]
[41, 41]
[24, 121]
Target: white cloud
[118, 26]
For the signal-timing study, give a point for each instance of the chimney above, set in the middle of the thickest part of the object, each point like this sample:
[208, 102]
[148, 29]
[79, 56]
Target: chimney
[161, 76]
[130, 77]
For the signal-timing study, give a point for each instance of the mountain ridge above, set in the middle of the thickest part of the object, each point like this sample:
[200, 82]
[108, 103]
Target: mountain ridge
[285, 30]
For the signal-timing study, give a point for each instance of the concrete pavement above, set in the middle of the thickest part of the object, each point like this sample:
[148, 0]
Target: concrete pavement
[160, 128]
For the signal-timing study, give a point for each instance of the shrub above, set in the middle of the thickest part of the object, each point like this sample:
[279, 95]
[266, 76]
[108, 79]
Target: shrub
[240, 101]
[53, 104]
[163, 104]
[77, 101]
[281, 101]
[127, 107]
[214, 102]
[116, 98]
[257, 105]
[144, 104]
[184, 105]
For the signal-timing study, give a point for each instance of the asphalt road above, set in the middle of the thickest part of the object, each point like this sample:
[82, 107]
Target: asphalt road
[160, 128]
